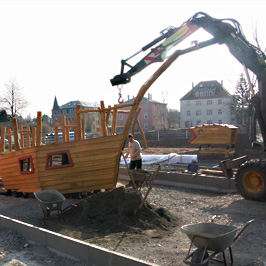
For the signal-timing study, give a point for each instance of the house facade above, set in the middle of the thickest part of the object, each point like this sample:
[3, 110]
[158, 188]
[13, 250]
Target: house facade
[206, 103]
[153, 114]
[69, 111]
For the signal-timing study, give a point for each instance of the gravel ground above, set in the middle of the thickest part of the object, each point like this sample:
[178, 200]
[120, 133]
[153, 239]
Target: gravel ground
[188, 205]
[168, 249]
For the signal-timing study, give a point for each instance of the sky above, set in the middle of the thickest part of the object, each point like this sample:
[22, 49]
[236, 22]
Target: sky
[71, 49]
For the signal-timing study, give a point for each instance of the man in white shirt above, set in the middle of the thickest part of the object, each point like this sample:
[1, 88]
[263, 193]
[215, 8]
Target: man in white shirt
[134, 150]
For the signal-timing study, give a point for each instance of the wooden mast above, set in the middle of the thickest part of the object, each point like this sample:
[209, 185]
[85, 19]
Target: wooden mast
[144, 88]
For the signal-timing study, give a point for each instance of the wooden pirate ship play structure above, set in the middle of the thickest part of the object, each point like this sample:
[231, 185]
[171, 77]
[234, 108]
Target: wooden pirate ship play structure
[223, 136]
[81, 165]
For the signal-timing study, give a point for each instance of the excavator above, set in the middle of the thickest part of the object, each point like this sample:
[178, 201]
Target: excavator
[250, 175]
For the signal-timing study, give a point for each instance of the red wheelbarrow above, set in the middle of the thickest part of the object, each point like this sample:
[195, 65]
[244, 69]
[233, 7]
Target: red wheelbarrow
[209, 239]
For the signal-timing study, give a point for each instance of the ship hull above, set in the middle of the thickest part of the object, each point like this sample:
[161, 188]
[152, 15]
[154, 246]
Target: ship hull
[93, 166]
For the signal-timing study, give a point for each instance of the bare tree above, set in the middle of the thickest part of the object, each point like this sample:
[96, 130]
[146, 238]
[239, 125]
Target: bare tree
[13, 100]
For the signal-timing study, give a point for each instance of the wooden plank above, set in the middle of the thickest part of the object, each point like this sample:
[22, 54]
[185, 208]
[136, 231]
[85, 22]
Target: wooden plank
[84, 161]
[25, 190]
[75, 171]
[85, 155]
[70, 180]
[72, 188]
[88, 144]
[21, 182]
[17, 154]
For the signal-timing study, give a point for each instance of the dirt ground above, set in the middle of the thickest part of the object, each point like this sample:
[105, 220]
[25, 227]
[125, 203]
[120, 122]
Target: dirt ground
[113, 220]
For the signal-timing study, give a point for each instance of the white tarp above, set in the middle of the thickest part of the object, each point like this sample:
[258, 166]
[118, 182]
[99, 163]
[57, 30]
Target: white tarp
[171, 158]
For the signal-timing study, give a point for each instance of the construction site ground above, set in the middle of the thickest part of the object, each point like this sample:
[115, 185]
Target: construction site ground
[113, 220]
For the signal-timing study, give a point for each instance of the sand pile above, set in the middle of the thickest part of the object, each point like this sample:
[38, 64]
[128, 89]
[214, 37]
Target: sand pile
[118, 211]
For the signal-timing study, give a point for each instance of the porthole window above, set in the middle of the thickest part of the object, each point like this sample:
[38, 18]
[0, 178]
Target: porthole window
[26, 165]
[58, 159]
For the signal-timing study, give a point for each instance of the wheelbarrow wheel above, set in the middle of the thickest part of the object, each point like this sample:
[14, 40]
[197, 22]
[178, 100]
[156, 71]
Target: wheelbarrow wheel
[198, 254]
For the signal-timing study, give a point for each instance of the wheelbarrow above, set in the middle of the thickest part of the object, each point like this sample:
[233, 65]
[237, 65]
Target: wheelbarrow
[209, 239]
[141, 177]
[51, 200]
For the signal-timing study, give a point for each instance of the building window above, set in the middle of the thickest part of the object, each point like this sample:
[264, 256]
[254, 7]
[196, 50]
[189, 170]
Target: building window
[219, 101]
[55, 112]
[199, 122]
[121, 117]
[220, 112]
[188, 123]
[198, 112]
[198, 103]
[145, 115]
[206, 93]
[220, 121]
[209, 102]
[188, 103]
[58, 159]
[209, 112]
[201, 93]
[146, 125]
[197, 94]
[64, 111]
[209, 122]
[26, 165]
[188, 113]
[210, 93]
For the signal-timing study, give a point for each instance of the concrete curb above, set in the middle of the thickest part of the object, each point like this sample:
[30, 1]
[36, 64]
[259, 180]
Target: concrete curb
[213, 183]
[72, 248]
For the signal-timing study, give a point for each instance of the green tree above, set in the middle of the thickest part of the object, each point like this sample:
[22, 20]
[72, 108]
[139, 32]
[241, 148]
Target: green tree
[242, 100]
[4, 116]
[173, 118]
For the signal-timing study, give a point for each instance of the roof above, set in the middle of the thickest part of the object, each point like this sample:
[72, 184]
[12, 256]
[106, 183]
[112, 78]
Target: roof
[56, 106]
[144, 100]
[220, 91]
[73, 104]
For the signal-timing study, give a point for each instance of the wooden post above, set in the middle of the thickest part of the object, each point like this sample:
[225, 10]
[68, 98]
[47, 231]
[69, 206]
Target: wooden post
[114, 120]
[145, 87]
[9, 136]
[149, 189]
[33, 139]
[75, 128]
[130, 174]
[107, 118]
[21, 136]
[34, 136]
[142, 135]
[9, 139]
[102, 120]
[135, 121]
[56, 140]
[83, 122]
[39, 128]
[28, 137]
[67, 130]
[78, 117]
[64, 128]
[3, 134]
[15, 129]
